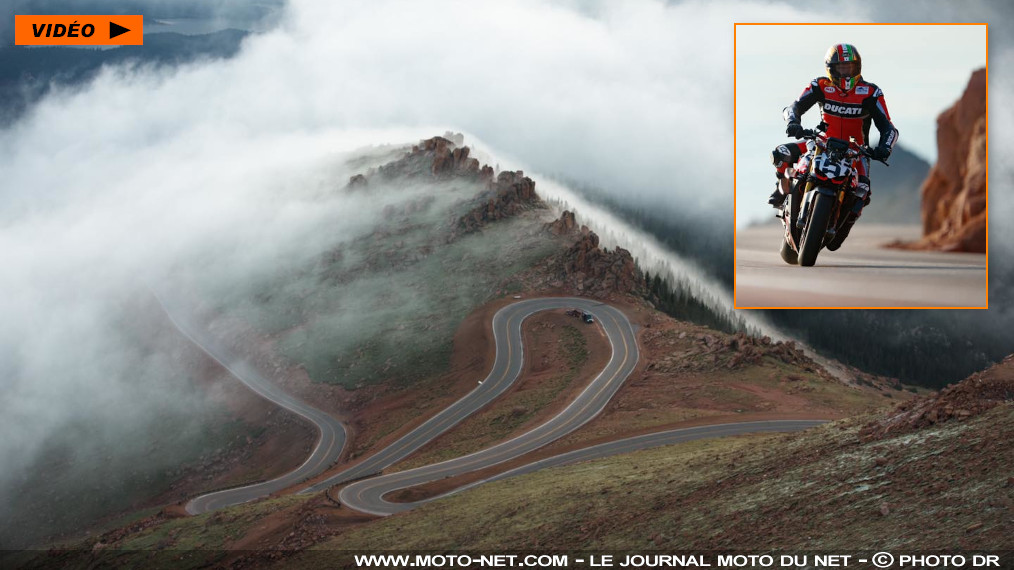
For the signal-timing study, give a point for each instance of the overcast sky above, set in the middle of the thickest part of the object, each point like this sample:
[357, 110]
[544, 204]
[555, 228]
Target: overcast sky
[922, 69]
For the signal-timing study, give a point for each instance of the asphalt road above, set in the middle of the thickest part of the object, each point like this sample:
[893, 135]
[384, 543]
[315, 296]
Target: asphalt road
[506, 370]
[330, 441]
[860, 274]
[646, 441]
[367, 495]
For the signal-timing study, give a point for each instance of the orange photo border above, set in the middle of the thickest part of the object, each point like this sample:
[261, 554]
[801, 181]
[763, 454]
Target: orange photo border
[735, 145]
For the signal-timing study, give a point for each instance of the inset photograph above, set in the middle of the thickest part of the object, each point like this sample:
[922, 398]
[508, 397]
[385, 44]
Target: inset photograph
[861, 166]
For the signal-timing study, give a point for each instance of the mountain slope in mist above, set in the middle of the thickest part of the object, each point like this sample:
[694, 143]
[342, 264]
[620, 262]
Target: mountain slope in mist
[27, 75]
[129, 455]
[373, 301]
[382, 306]
[368, 308]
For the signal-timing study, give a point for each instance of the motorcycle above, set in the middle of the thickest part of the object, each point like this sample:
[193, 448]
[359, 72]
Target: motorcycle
[824, 196]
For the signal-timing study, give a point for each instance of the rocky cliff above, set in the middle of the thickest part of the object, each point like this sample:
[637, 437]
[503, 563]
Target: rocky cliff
[597, 271]
[585, 268]
[509, 194]
[954, 194]
[437, 157]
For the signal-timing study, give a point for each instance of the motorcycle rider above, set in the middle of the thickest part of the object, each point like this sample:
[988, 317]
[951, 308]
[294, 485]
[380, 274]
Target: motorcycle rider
[848, 104]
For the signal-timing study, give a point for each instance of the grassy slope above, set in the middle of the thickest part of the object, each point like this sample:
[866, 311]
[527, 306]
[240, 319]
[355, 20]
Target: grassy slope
[819, 490]
[511, 414]
[944, 488]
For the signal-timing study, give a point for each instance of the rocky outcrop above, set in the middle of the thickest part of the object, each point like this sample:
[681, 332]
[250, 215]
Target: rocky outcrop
[708, 350]
[564, 225]
[448, 160]
[592, 270]
[511, 193]
[747, 349]
[357, 181]
[970, 397]
[585, 268]
[437, 157]
[954, 194]
[444, 158]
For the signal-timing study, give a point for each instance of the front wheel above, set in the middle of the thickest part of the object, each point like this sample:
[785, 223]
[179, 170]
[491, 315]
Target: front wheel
[816, 227]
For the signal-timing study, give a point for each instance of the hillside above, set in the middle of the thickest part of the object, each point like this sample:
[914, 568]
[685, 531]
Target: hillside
[936, 481]
[443, 217]
[913, 477]
[365, 326]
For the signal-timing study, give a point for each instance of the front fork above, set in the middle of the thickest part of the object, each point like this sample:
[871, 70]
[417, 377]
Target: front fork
[807, 197]
[839, 197]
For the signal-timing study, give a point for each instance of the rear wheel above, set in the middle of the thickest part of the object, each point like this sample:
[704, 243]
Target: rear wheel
[816, 227]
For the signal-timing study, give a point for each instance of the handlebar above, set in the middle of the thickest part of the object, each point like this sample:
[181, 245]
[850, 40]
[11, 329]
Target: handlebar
[814, 135]
[869, 153]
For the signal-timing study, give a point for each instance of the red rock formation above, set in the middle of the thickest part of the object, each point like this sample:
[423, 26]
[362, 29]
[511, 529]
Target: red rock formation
[443, 158]
[954, 194]
[438, 157]
[564, 225]
[591, 270]
[970, 397]
[512, 192]
[451, 161]
[707, 351]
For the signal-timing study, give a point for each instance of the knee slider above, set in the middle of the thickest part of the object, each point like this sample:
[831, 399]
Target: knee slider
[782, 155]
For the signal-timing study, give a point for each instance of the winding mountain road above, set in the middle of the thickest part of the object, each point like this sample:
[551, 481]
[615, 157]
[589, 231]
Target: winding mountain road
[331, 433]
[367, 493]
[506, 370]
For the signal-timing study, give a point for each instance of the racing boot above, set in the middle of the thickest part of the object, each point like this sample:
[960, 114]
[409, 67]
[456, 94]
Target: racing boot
[777, 197]
[863, 189]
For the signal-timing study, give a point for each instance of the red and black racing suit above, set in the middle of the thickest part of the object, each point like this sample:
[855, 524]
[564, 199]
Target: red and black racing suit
[846, 114]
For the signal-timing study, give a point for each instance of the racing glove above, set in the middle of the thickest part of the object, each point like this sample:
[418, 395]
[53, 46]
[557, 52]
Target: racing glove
[880, 153]
[794, 130]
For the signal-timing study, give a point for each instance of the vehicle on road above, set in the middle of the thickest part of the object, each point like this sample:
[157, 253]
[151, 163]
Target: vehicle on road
[825, 198]
[584, 316]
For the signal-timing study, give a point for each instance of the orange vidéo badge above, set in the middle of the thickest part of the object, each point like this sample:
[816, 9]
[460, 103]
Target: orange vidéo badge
[79, 30]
